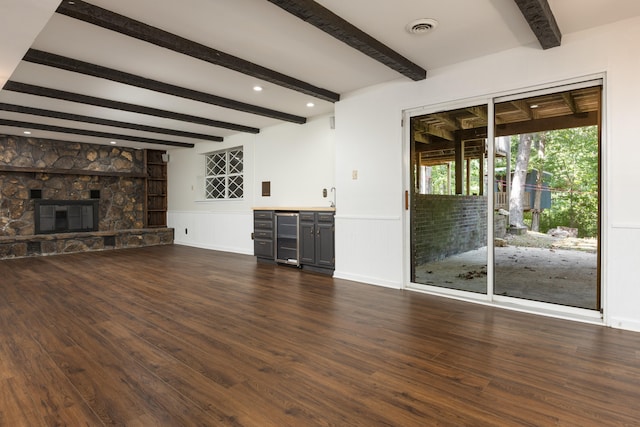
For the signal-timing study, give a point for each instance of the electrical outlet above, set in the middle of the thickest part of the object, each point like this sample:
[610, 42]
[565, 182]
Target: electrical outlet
[324, 192]
[186, 231]
[354, 174]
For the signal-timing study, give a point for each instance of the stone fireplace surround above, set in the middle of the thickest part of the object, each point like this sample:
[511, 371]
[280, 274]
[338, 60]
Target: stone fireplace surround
[58, 170]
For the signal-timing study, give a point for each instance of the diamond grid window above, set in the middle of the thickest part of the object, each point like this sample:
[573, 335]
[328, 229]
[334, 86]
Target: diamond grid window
[224, 174]
[216, 164]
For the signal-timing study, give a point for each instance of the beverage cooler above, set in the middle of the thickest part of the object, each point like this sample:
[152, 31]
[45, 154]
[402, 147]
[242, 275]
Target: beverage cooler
[287, 248]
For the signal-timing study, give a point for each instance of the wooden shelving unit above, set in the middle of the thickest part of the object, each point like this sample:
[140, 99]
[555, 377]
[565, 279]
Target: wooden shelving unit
[156, 189]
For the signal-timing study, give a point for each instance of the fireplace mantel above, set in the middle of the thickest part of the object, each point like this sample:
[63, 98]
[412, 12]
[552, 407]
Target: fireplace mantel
[19, 169]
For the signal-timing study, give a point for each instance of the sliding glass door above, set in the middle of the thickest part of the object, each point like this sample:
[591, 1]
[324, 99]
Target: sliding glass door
[547, 202]
[504, 198]
[448, 199]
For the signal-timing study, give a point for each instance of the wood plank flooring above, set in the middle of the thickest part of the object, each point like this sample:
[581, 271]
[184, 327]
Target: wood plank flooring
[178, 336]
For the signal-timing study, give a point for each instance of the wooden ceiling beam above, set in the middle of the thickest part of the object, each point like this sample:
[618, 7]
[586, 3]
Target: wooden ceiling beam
[446, 145]
[479, 112]
[441, 133]
[327, 21]
[570, 101]
[523, 107]
[422, 138]
[435, 131]
[542, 22]
[448, 121]
[85, 132]
[532, 126]
[552, 123]
[104, 18]
[76, 66]
[105, 122]
[117, 105]
[472, 134]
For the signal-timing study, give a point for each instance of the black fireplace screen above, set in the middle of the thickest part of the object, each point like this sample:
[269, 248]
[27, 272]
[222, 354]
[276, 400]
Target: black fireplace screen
[61, 216]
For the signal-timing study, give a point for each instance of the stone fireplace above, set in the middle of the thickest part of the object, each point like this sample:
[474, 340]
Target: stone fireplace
[74, 196]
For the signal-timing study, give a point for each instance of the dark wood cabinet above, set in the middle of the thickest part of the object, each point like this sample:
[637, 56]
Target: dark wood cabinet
[325, 242]
[316, 244]
[307, 238]
[156, 189]
[263, 235]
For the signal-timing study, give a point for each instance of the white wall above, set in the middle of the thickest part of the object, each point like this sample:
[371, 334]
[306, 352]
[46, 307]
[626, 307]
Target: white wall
[369, 138]
[298, 160]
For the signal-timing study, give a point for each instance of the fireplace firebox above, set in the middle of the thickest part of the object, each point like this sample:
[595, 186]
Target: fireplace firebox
[64, 216]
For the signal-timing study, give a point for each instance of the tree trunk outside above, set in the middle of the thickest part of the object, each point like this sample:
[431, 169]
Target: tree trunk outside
[517, 183]
[536, 211]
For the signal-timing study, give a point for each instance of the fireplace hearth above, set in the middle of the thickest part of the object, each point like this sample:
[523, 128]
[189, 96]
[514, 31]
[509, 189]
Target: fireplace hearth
[65, 216]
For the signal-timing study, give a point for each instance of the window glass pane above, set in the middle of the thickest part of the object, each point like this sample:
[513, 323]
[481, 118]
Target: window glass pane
[235, 187]
[546, 204]
[448, 199]
[235, 162]
[215, 188]
[216, 164]
[209, 166]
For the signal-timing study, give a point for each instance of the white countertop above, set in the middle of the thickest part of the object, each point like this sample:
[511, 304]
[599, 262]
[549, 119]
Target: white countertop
[295, 208]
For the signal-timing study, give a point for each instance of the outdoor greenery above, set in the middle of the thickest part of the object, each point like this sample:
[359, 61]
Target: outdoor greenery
[439, 176]
[571, 157]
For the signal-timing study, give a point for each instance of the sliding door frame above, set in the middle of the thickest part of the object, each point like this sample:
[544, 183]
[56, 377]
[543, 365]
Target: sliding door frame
[572, 313]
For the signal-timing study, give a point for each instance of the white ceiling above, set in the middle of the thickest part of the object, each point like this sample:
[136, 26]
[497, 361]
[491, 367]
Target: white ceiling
[257, 31]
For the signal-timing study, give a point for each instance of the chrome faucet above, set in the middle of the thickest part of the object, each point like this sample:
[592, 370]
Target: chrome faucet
[333, 202]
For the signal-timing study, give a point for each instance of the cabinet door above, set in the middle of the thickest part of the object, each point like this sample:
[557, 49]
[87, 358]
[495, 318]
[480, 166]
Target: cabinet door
[325, 246]
[263, 248]
[263, 234]
[307, 243]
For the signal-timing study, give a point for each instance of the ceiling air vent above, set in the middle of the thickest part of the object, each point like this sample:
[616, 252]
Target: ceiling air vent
[422, 26]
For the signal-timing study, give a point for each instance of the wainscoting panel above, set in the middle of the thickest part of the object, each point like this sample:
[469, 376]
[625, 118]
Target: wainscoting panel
[369, 249]
[222, 231]
[619, 262]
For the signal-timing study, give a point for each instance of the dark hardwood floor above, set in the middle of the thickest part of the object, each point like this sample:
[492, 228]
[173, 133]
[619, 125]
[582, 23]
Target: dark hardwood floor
[178, 336]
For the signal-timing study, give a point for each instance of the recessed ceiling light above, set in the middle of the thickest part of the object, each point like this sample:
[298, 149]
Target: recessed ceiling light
[257, 88]
[421, 26]
[27, 132]
[310, 104]
[112, 142]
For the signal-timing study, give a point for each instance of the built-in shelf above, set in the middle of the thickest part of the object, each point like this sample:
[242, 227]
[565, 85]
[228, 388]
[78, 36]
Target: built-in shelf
[156, 189]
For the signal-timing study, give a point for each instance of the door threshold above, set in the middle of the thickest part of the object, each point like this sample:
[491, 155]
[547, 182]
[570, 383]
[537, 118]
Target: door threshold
[509, 303]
